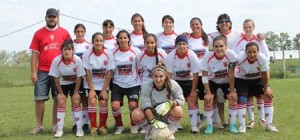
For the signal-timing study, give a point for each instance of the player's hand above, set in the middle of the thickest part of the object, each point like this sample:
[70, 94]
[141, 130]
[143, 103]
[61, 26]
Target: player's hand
[232, 96]
[92, 94]
[261, 36]
[208, 98]
[61, 95]
[157, 124]
[104, 95]
[268, 93]
[194, 95]
[187, 34]
[76, 96]
[164, 108]
[34, 78]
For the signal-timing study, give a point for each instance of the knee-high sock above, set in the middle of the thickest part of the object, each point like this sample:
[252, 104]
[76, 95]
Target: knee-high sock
[193, 115]
[208, 113]
[250, 111]
[78, 116]
[60, 118]
[242, 114]
[92, 116]
[232, 113]
[103, 116]
[118, 117]
[260, 108]
[269, 109]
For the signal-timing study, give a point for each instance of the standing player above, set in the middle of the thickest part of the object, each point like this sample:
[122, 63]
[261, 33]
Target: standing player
[166, 39]
[110, 42]
[198, 42]
[80, 45]
[67, 70]
[162, 101]
[218, 72]
[252, 75]
[139, 30]
[149, 58]
[126, 80]
[183, 66]
[239, 46]
[45, 46]
[98, 63]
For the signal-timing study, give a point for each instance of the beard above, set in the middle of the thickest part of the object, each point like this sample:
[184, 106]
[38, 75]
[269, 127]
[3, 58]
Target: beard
[51, 26]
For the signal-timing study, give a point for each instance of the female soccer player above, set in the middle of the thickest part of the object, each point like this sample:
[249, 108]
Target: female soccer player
[125, 80]
[80, 45]
[239, 46]
[139, 30]
[98, 63]
[252, 75]
[110, 42]
[183, 66]
[67, 70]
[198, 42]
[149, 58]
[165, 39]
[218, 72]
[162, 99]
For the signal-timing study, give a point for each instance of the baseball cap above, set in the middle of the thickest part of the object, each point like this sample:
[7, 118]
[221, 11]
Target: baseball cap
[52, 12]
[223, 18]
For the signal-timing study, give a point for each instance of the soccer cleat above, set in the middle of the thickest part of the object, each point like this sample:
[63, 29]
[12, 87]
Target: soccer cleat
[242, 129]
[173, 128]
[209, 129]
[86, 128]
[233, 129]
[74, 128]
[93, 131]
[250, 124]
[179, 127]
[223, 126]
[194, 129]
[103, 131]
[54, 128]
[79, 133]
[134, 129]
[36, 130]
[262, 122]
[58, 134]
[119, 130]
[270, 127]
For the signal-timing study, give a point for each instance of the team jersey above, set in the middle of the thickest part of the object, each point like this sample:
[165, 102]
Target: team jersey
[80, 47]
[241, 43]
[125, 69]
[110, 43]
[196, 44]
[147, 62]
[247, 69]
[152, 97]
[67, 73]
[98, 65]
[218, 67]
[182, 67]
[47, 42]
[137, 40]
[166, 41]
[232, 36]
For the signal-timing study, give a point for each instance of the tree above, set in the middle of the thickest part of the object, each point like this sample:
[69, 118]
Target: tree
[296, 44]
[284, 43]
[272, 43]
[4, 57]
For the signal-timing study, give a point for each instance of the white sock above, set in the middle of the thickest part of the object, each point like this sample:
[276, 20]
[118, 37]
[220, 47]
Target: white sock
[242, 114]
[85, 117]
[260, 108]
[269, 109]
[78, 117]
[215, 113]
[232, 113]
[208, 113]
[193, 115]
[60, 118]
[73, 117]
[250, 111]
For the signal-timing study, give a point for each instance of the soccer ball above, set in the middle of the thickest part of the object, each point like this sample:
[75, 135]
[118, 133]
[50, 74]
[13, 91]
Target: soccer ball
[160, 134]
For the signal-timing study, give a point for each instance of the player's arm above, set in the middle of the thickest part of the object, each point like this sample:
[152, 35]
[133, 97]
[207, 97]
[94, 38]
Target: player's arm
[103, 93]
[34, 63]
[58, 86]
[194, 86]
[92, 93]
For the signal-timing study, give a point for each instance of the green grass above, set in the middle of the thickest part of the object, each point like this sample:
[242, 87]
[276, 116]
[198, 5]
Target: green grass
[14, 76]
[17, 117]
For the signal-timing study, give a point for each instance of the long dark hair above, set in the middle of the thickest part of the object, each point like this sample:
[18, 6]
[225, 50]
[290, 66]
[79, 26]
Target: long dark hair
[204, 35]
[155, 49]
[143, 26]
[123, 31]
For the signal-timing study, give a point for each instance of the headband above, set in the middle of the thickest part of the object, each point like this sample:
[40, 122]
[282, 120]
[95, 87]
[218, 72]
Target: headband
[158, 69]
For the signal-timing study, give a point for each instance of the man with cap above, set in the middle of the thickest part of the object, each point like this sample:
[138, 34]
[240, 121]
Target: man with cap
[45, 46]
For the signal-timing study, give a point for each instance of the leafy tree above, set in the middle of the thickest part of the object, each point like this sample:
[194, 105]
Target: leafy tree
[284, 44]
[272, 41]
[296, 44]
[4, 57]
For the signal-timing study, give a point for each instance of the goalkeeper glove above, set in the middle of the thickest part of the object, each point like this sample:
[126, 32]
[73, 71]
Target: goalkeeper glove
[164, 108]
[157, 124]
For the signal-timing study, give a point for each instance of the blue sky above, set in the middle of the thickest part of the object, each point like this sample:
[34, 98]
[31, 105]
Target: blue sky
[269, 15]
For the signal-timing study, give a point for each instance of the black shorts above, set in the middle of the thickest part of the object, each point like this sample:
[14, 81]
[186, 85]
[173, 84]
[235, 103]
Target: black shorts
[97, 93]
[214, 87]
[253, 87]
[117, 93]
[186, 87]
[68, 89]
[200, 89]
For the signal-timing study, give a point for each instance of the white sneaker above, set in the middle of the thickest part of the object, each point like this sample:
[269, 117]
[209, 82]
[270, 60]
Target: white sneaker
[172, 137]
[250, 124]
[134, 129]
[58, 134]
[173, 128]
[242, 129]
[79, 133]
[194, 129]
[36, 130]
[270, 127]
[119, 130]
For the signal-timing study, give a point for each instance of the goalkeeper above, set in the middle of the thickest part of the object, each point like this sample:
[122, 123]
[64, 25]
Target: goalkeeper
[162, 99]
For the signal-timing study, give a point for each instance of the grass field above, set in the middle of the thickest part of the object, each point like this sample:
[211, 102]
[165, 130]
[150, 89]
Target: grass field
[17, 117]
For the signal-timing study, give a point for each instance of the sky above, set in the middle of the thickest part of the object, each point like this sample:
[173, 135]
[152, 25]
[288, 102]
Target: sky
[269, 15]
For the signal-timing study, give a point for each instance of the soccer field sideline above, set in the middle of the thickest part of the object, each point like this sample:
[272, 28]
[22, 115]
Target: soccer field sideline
[17, 117]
